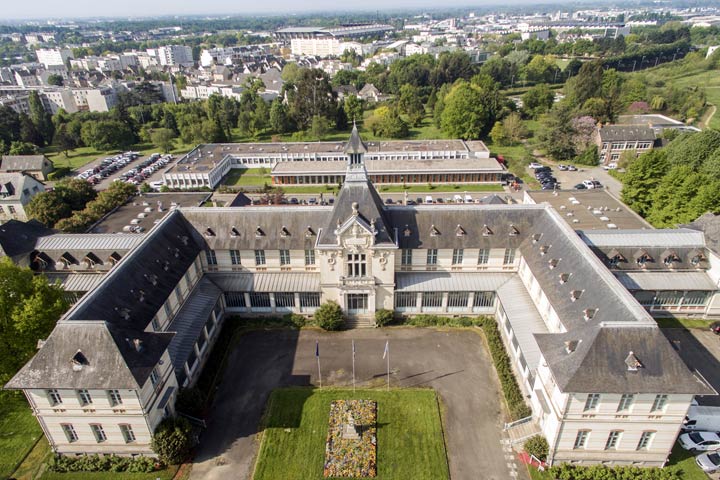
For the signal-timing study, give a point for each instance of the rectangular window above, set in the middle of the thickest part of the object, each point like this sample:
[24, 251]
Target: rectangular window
[406, 258]
[592, 401]
[284, 300]
[155, 377]
[210, 256]
[69, 431]
[284, 257]
[645, 440]
[483, 256]
[509, 257]
[659, 403]
[235, 299]
[260, 300]
[457, 257]
[98, 432]
[613, 440]
[54, 397]
[127, 432]
[458, 300]
[235, 257]
[405, 300]
[626, 402]
[581, 439]
[155, 324]
[309, 257]
[11, 209]
[432, 256]
[309, 300]
[114, 397]
[484, 299]
[168, 312]
[432, 299]
[259, 257]
[84, 397]
[356, 266]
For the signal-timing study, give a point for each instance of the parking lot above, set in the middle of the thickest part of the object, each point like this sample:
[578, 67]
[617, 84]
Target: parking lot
[464, 380]
[129, 166]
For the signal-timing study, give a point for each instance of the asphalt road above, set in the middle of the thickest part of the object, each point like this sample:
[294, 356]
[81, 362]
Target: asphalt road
[455, 363]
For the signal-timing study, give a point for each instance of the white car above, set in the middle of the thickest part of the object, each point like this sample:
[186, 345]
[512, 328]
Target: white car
[428, 199]
[700, 441]
[709, 462]
[610, 166]
[592, 184]
[535, 165]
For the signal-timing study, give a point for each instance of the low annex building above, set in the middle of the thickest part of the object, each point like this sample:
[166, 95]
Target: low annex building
[603, 382]
[323, 163]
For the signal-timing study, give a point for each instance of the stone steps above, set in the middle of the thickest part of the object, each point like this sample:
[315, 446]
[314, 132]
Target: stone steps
[521, 431]
[364, 321]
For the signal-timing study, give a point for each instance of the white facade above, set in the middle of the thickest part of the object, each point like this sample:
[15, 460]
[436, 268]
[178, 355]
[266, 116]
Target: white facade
[54, 56]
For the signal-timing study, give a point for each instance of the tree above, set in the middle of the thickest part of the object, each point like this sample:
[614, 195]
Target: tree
[171, 440]
[538, 100]
[353, 107]
[541, 69]
[557, 135]
[164, 138]
[497, 134]
[588, 157]
[466, 113]
[107, 135]
[9, 125]
[586, 84]
[56, 80]
[319, 127]
[23, 148]
[537, 446]
[41, 119]
[329, 316]
[411, 104]
[63, 140]
[514, 128]
[29, 309]
[312, 96]
[279, 118]
[47, 208]
[450, 67]
[642, 178]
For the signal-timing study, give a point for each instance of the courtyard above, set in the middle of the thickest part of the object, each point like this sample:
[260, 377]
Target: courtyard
[453, 362]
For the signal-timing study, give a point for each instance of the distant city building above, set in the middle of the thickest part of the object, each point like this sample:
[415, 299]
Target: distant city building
[54, 56]
[173, 55]
[325, 42]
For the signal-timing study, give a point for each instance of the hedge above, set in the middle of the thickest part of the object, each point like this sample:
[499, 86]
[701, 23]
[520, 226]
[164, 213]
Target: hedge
[425, 320]
[513, 395]
[600, 472]
[98, 463]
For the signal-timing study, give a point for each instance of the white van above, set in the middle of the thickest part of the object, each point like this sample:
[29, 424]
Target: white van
[458, 198]
[702, 419]
[429, 199]
[468, 198]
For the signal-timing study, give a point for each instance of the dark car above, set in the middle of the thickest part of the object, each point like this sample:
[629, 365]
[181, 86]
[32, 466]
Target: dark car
[715, 328]
[411, 202]
[294, 201]
[580, 186]
[389, 201]
[549, 186]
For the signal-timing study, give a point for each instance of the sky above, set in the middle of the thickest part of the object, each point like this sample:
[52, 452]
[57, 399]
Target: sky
[14, 9]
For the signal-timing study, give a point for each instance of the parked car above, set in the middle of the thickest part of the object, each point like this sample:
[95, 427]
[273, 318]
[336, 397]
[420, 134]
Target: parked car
[572, 168]
[610, 166]
[562, 167]
[580, 186]
[715, 328]
[428, 199]
[535, 165]
[592, 184]
[708, 462]
[700, 441]
[389, 201]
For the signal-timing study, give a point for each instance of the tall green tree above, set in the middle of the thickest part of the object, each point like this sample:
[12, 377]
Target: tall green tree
[557, 135]
[410, 103]
[469, 111]
[163, 138]
[41, 119]
[353, 107]
[538, 100]
[279, 118]
[641, 179]
[29, 309]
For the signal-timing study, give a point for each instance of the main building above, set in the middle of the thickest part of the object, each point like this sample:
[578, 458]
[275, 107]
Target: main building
[603, 382]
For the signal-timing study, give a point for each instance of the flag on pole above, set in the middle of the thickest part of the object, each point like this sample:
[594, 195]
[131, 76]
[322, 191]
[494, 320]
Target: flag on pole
[317, 349]
[387, 349]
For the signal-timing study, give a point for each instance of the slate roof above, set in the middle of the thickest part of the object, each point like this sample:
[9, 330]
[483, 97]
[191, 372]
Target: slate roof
[709, 224]
[17, 238]
[355, 144]
[598, 363]
[17, 163]
[112, 359]
[626, 133]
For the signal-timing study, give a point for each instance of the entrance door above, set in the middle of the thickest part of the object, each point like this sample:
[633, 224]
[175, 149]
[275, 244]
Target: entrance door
[357, 303]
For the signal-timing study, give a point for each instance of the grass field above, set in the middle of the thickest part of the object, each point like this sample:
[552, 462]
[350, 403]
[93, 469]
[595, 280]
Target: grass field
[681, 462]
[19, 431]
[166, 474]
[683, 323]
[248, 177]
[409, 440]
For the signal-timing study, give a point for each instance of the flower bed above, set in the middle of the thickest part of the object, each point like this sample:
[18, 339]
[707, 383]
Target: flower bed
[348, 457]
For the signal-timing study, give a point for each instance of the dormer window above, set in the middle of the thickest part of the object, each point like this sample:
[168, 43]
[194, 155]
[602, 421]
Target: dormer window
[536, 237]
[66, 260]
[486, 231]
[259, 232]
[184, 239]
[284, 232]
[459, 231]
[123, 312]
[407, 232]
[544, 249]
[434, 232]
[669, 258]
[79, 360]
[642, 258]
[114, 258]
[552, 263]
[209, 232]
[140, 295]
[575, 294]
[571, 346]
[564, 277]
[152, 278]
[514, 232]
[91, 260]
[589, 313]
[632, 362]
[696, 257]
[309, 232]
[234, 232]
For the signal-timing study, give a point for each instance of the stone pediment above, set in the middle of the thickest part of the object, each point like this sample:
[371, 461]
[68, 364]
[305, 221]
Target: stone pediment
[355, 234]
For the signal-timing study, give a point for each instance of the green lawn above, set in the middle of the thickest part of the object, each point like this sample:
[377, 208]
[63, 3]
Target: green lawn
[681, 462]
[672, 322]
[19, 431]
[248, 177]
[166, 474]
[409, 440]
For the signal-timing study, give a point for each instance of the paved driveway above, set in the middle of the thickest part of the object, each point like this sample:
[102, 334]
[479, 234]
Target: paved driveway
[700, 349]
[453, 362]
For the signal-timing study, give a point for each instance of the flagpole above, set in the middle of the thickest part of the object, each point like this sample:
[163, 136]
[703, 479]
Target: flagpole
[317, 355]
[387, 347]
[353, 361]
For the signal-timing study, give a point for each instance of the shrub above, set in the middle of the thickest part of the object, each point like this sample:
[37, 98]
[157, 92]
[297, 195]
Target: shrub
[329, 316]
[191, 401]
[425, 320]
[97, 463]
[295, 320]
[537, 446]
[508, 383]
[171, 440]
[588, 157]
[58, 173]
[383, 317]
[600, 472]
